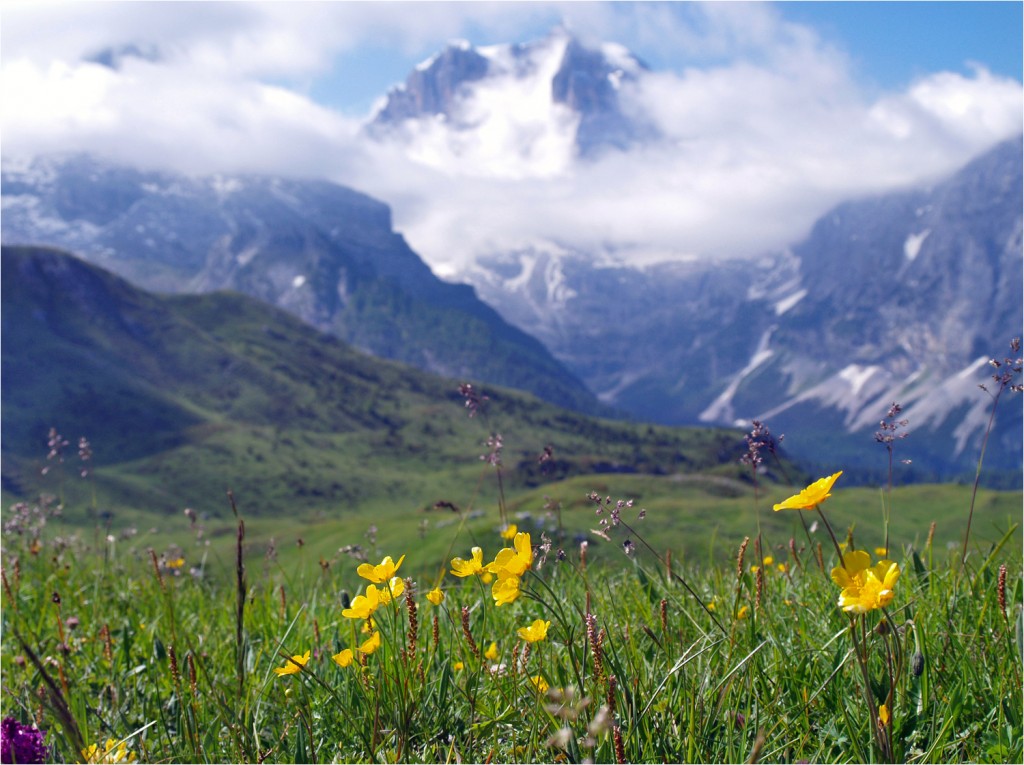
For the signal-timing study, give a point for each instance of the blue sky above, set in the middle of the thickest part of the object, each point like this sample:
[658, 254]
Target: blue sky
[889, 44]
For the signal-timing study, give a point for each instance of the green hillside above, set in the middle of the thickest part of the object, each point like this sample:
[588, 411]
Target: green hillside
[184, 397]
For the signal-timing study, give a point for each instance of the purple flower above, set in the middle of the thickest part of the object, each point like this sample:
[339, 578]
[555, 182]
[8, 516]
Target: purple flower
[21, 743]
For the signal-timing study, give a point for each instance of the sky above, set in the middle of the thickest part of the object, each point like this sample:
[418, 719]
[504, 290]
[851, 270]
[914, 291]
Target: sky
[773, 111]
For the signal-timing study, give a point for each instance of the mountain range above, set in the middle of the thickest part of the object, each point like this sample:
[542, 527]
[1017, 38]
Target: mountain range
[901, 297]
[321, 251]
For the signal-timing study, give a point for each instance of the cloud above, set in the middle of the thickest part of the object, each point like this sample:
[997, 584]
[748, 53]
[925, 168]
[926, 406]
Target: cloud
[765, 126]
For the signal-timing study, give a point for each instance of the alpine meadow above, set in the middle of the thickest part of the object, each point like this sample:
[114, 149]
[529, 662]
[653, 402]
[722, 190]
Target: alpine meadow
[512, 382]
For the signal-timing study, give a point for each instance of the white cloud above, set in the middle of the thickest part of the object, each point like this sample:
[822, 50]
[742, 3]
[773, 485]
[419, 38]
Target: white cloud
[765, 127]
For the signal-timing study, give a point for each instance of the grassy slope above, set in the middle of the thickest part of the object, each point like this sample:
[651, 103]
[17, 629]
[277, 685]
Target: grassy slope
[184, 397]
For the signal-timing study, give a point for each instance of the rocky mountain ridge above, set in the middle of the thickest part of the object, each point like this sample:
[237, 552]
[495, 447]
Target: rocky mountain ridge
[323, 252]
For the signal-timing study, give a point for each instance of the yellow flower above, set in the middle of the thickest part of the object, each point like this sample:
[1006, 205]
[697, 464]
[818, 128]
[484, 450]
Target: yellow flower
[781, 568]
[540, 683]
[810, 497]
[881, 552]
[435, 596]
[743, 613]
[851, 573]
[535, 632]
[768, 560]
[343, 658]
[112, 752]
[458, 666]
[491, 654]
[363, 605]
[371, 645]
[380, 573]
[873, 588]
[509, 531]
[469, 567]
[515, 560]
[368, 626]
[711, 606]
[505, 590]
[883, 715]
[176, 563]
[394, 588]
[294, 666]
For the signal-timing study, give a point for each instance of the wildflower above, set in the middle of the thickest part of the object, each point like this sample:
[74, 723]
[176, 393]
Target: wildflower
[768, 560]
[344, 657]
[781, 568]
[435, 596]
[363, 605]
[176, 562]
[505, 590]
[873, 590]
[535, 632]
[881, 552]
[509, 532]
[491, 653]
[711, 606]
[293, 666]
[743, 613]
[370, 645]
[469, 567]
[112, 752]
[21, 743]
[381, 573]
[810, 497]
[395, 587]
[540, 683]
[458, 666]
[883, 715]
[515, 560]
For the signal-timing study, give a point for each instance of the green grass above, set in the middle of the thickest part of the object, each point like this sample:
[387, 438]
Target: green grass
[690, 686]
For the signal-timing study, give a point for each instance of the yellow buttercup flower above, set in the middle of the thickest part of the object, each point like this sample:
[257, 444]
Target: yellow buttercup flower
[363, 605]
[506, 590]
[435, 596]
[176, 563]
[371, 645]
[743, 613]
[112, 752]
[344, 657]
[469, 567]
[394, 588]
[873, 588]
[509, 532]
[458, 666]
[881, 552]
[810, 497]
[380, 573]
[535, 632]
[294, 666]
[515, 560]
[851, 573]
[491, 654]
[883, 715]
[540, 683]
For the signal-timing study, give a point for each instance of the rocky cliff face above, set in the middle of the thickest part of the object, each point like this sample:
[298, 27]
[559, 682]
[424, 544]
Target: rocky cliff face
[902, 298]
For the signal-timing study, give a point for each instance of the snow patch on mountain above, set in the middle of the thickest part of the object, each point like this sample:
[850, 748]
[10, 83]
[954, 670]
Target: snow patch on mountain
[788, 302]
[912, 246]
[721, 409]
